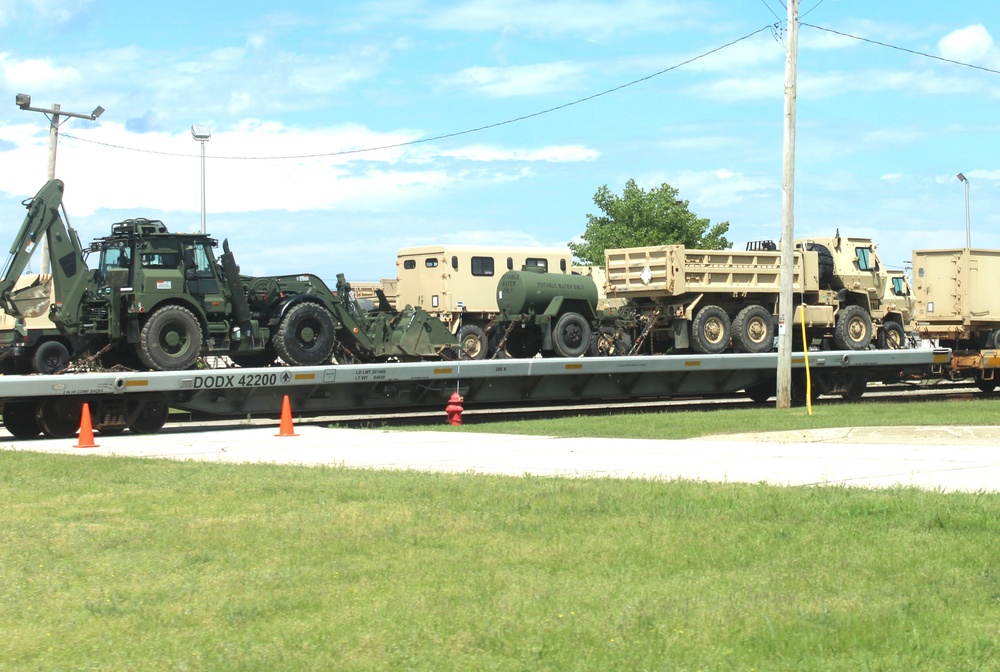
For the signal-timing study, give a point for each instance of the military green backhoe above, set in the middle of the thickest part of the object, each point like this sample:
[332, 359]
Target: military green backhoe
[158, 300]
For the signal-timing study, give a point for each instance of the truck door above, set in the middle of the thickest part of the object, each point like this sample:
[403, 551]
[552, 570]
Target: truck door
[201, 274]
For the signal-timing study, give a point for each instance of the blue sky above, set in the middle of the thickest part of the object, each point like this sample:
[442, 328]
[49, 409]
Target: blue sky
[881, 132]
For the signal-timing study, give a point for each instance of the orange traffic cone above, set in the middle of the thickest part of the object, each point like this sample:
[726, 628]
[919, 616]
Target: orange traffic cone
[86, 437]
[286, 419]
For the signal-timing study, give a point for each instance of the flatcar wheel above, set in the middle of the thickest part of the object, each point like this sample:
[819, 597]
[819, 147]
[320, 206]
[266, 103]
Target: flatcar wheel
[150, 416]
[19, 417]
[59, 417]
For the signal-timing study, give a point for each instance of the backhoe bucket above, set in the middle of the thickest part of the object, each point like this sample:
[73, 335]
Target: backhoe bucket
[33, 300]
[418, 334]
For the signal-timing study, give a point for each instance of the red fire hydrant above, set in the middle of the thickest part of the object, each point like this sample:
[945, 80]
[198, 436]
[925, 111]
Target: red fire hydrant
[454, 409]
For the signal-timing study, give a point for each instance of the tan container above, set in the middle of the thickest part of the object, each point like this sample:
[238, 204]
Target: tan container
[955, 293]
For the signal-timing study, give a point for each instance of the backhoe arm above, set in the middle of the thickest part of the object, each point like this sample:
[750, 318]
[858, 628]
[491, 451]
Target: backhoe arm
[65, 252]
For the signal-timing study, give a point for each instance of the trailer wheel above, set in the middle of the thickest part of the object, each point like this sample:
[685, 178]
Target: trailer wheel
[50, 357]
[891, 336]
[473, 342]
[523, 344]
[170, 340]
[571, 335]
[59, 417]
[151, 416]
[605, 344]
[753, 330]
[306, 336]
[853, 330]
[20, 419]
[710, 331]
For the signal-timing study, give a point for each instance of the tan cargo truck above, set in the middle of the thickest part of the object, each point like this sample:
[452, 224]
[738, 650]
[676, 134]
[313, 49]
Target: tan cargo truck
[958, 306]
[458, 284]
[709, 300]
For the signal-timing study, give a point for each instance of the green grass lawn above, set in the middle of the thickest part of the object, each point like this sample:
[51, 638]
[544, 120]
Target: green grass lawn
[129, 564]
[685, 424]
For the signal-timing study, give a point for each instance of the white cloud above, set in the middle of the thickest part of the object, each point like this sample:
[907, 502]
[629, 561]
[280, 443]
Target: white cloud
[521, 80]
[892, 177]
[565, 16]
[36, 72]
[551, 154]
[972, 44]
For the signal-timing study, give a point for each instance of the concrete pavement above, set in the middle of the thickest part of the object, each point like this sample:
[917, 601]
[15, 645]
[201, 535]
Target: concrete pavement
[944, 458]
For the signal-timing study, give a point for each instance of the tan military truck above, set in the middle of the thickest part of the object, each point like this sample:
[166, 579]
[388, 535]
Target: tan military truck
[958, 306]
[711, 300]
[458, 283]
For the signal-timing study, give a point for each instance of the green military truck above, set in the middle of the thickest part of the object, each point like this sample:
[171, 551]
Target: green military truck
[159, 301]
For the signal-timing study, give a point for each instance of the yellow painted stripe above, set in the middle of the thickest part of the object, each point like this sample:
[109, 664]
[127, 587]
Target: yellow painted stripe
[304, 376]
[438, 372]
[136, 383]
[696, 362]
[574, 366]
[940, 359]
[798, 360]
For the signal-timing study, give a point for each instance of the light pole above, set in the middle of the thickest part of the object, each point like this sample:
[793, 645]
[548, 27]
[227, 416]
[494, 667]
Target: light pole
[202, 133]
[968, 228]
[55, 115]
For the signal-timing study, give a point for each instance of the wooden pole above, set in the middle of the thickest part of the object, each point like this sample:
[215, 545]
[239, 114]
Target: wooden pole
[785, 314]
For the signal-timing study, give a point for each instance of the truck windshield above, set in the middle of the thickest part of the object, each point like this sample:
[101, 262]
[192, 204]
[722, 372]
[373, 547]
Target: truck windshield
[114, 257]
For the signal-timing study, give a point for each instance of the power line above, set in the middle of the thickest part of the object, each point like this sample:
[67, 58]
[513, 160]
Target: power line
[445, 135]
[909, 51]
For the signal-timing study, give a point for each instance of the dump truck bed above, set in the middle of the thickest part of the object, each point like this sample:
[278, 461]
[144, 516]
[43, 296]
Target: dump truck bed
[672, 270]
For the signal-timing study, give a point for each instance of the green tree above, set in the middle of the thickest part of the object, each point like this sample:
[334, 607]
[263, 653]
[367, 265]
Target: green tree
[640, 218]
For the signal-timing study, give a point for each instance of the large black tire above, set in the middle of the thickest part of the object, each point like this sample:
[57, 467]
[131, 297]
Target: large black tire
[306, 335]
[761, 392]
[170, 340]
[710, 331]
[892, 336]
[20, 419]
[753, 330]
[59, 417]
[571, 335]
[523, 343]
[50, 357]
[473, 342]
[853, 330]
[984, 385]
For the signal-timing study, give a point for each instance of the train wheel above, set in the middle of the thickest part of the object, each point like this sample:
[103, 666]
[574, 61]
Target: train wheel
[853, 330]
[50, 357]
[20, 419]
[473, 342]
[170, 339]
[151, 416]
[306, 335]
[891, 336]
[856, 385]
[753, 330]
[254, 360]
[710, 331]
[761, 392]
[983, 384]
[59, 417]
[571, 335]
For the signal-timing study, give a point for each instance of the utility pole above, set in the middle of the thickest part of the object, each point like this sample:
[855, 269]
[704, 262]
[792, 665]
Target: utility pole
[55, 115]
[785, 309]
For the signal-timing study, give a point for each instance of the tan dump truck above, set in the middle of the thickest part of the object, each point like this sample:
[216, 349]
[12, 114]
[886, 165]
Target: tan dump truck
[958, 306]
[709, 300]
[458, 284]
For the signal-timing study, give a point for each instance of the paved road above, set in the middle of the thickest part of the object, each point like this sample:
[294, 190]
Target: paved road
[945, 458]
